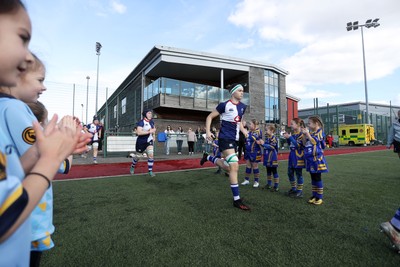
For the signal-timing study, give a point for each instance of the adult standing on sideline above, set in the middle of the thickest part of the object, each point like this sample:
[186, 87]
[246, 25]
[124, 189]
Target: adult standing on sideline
[200, 139]
[101, 136]
[394, 135]
[179, 139]
[168, 133]
[145, 141]
[231, 114]
[191, 137]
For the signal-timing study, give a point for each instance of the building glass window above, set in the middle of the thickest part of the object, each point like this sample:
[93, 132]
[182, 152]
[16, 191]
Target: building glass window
[271, 92]
[115, 111]
[123, 105]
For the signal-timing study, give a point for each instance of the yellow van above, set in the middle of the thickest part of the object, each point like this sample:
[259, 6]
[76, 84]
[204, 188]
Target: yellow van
[356, 134]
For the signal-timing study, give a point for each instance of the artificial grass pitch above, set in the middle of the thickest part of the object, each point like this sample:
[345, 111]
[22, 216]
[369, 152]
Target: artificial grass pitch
[187, 219]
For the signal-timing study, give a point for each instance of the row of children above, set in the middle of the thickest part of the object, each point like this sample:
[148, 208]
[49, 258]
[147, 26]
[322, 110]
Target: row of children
[30, 153]
[306, 151]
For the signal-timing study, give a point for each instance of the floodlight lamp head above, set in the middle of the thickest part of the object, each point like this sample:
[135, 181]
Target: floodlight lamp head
[355, 25]
[375, 22]
[349, 26]
[98, 47]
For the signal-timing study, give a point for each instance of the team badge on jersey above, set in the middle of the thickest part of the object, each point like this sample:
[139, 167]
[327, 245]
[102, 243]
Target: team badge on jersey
[3, 163]
[28, 135]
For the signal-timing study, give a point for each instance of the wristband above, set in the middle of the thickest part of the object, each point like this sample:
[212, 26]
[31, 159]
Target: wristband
[41, 175]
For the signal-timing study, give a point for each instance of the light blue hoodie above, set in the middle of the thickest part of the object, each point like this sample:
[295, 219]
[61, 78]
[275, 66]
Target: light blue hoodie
[394, 133]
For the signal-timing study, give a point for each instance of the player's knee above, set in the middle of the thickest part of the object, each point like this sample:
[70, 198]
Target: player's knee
[95, 145]
[232, 159]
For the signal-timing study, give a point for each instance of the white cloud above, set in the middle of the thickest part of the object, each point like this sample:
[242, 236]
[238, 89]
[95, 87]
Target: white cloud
[118, 7]
[244, 45]
[326, 52]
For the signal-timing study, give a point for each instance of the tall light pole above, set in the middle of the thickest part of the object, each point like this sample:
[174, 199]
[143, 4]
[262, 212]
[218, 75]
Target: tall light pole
[354, 26]
[87, 98]
[98, 48]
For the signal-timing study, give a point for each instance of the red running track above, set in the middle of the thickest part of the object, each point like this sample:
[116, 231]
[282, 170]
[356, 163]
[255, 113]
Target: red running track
[114, 169]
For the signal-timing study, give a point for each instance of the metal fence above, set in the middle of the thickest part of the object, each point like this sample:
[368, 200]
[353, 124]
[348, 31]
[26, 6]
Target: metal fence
[333, 116]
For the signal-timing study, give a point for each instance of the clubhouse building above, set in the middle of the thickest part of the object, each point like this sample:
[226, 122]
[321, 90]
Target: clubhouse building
[182, 87]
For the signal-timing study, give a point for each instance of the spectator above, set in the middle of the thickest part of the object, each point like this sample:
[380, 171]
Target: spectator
[191, 137]
[101, 136]
[179, 139]
[168, 133]
[394, 136]
[329, 140]
[200, 139]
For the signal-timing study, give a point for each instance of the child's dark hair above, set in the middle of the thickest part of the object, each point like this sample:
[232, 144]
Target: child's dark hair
[317, 119]
[299, 122]
[39, 110]
[10, 6]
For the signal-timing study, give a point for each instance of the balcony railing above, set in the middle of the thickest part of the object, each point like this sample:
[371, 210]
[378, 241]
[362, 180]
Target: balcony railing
[189, 90]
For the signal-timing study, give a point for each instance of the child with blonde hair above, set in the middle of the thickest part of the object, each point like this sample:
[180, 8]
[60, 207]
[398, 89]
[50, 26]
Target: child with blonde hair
[270, 145]
[252, 153]
[296, 162]
[314, 144]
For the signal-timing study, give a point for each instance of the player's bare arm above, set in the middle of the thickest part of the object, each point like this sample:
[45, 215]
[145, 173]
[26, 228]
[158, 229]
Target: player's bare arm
[209, 120]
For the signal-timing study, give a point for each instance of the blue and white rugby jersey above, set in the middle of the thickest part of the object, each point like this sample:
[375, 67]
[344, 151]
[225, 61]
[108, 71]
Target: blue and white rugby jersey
[146, 125]
[231, 116]
[16, 123]
[15, 250]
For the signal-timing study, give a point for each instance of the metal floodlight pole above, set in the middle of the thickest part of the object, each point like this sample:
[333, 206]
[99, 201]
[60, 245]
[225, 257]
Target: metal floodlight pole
[98, 48]
[87, 98]
[365, 77]
[354, 26]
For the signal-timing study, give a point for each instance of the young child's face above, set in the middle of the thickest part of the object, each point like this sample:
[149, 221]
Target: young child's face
[15, 32]
[268, 131]
[294, 126]
[313, 126]
[30, 86]
[252, 126]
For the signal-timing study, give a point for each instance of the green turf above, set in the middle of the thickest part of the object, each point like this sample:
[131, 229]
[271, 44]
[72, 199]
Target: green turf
[187, 219]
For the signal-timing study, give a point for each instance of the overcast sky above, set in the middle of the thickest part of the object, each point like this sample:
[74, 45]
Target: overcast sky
[308, 38]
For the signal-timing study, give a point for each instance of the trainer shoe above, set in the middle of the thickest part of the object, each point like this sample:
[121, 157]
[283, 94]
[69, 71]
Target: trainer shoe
[299, 194]
[240, 205]
[393, 235]
[267, 187]
[312, 200]
[204, 158]
[95, 161]
[275, 189]
[132, 170]
[291, 192]
[318, 201]
[152, 174]
[256, 184]
[246, 182]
